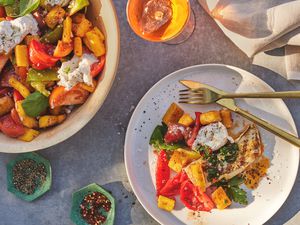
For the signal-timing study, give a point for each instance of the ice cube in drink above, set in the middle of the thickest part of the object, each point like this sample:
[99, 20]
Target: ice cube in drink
[156, 13]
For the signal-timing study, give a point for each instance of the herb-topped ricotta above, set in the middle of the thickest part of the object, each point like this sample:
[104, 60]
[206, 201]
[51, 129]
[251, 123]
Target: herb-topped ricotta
[76, 70]
[14, 31]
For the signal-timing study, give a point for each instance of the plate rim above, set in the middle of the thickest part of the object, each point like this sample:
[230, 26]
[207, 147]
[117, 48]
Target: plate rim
[130, 124]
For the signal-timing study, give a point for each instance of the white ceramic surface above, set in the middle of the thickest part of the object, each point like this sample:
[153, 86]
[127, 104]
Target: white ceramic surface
[103, 14]
[140, 161]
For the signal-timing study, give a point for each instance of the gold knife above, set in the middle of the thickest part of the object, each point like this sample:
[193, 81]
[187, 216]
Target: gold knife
[230, 104]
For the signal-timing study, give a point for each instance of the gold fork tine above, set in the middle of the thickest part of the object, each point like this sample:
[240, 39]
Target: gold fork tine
[191, 98]
[192, 102]
[192, 90]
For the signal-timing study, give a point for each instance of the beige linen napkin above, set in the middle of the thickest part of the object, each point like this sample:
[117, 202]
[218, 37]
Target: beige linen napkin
[295, 220]
[257, 26]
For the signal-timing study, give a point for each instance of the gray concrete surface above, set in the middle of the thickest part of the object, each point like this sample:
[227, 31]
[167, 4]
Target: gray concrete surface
[95, 154]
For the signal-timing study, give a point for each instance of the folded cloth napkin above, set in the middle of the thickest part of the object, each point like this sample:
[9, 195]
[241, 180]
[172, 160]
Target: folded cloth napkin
[260, 25]
[294, 221]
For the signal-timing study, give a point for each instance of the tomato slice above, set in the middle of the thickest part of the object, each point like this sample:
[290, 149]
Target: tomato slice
[172, 187]
[15, 116]
[60, 96]
[193, 198]
[10, 128]
[162, 171]
[2, 12]
[39, 56]
[195, 129]
[17, 96]
[97, 67]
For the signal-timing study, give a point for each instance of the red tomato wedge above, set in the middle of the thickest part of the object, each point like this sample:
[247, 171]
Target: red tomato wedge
[17, 96]
[97, 67]
[193, 198]
[162, 171]
[10, 128]
[172, 187]
[2, 12]
[60, 96]
[15, 116]
[39, 56]
[195, 129]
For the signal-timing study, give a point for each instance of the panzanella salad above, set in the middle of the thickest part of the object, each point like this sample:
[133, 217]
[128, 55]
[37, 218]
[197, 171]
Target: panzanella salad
[50, 59]
[201, 162]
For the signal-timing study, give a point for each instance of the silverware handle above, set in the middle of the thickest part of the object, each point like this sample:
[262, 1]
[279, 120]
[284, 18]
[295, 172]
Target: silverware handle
[273, 129]
[283, 94]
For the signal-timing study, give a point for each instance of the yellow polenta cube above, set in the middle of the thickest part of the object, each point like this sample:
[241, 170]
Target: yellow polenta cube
[220, 198]
[165, 203]
[181, 158]
[186, 120]
[196, 175]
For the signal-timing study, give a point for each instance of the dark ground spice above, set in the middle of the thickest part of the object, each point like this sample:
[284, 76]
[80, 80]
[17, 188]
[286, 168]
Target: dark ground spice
[28, 175]
[93, 207]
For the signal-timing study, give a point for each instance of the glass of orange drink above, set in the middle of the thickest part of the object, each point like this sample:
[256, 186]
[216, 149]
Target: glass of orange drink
[169, 21]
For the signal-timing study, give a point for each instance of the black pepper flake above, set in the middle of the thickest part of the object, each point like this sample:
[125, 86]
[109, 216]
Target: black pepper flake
[28, 175]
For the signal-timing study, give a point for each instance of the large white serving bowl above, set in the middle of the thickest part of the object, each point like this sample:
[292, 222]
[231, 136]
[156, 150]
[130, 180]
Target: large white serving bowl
[101, 13]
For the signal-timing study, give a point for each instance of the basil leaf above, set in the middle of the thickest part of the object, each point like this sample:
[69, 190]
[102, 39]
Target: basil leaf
[6, 2]
[27, 6]
[35, 104]
[21, 7]
[158, 134]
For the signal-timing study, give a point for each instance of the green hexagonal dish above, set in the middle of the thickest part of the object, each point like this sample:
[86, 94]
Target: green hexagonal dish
[79, 195]
[40, 189]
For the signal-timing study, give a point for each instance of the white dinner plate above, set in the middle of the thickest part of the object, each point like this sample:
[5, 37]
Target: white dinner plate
[140, 160]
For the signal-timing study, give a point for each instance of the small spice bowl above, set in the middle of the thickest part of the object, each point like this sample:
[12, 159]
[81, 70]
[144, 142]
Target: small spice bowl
[78, 198]
[39, 189]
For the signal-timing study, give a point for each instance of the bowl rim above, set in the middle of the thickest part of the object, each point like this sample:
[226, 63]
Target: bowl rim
[61, 138]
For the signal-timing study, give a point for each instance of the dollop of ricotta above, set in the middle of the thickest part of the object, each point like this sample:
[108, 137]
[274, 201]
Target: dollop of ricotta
[76, 70]
[14, 31]
[57, 2]
[214, 136]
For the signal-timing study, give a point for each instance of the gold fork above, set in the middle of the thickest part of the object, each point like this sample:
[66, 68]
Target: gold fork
[206, 96]
[229, 103]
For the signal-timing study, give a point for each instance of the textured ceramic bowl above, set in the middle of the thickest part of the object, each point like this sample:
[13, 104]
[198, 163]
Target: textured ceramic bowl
[101, 13]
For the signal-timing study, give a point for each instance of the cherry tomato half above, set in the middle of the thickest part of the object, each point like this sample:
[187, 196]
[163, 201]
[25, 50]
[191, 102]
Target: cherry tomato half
[10, 128]
[39, 55]
[97, 67]
[162, 171]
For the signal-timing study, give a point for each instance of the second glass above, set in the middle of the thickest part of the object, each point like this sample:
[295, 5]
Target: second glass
[169, 21]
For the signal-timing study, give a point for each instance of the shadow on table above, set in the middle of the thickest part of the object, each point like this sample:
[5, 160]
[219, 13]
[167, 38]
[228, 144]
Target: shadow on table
[124, 202]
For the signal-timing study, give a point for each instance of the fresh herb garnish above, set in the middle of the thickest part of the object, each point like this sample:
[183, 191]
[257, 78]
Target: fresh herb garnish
[157, 139]
[229, 152]
[232, 189]
[35, 104]
[6, 2]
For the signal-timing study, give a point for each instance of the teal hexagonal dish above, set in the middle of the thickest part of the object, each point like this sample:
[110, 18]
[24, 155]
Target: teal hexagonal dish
[79, 195]
[40, 189]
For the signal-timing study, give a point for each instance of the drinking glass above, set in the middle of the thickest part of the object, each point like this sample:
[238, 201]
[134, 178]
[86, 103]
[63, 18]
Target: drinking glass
[168, 21]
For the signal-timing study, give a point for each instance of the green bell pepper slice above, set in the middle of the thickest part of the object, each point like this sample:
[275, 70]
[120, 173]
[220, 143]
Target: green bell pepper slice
[53, 36]
[41, 75]
[77, 5]
[40, 87]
